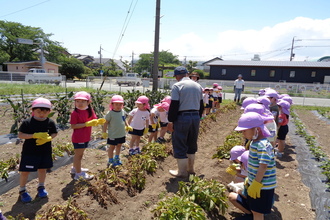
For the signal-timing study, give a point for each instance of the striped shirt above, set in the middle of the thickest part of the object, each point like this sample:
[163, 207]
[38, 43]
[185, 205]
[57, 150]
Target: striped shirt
[262, 152]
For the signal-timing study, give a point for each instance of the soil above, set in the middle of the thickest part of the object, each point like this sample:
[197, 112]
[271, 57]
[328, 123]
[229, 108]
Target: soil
[292, 196]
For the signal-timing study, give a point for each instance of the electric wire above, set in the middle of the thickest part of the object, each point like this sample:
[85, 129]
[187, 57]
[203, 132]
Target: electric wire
[24, 9]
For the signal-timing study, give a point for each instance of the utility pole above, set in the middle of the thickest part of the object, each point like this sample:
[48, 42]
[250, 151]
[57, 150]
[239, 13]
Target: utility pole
[100, 52]
[132, 61]
[292, 54]
[156, 48]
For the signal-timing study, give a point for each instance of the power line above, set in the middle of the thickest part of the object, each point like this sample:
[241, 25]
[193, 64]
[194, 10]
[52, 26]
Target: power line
[24, 9]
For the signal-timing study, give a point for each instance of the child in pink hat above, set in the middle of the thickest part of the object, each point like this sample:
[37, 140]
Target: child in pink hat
[261, 167]
[114, 129]
[38, 132]
[82, 119]
[158, 118]
[139, 120]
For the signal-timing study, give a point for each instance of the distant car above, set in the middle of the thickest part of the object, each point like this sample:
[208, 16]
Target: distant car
[131, 79]
[41, 76]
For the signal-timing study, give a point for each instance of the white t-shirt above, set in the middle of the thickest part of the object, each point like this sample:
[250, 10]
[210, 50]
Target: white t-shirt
[139, 118]
[163, 116]
[271, 126]
[215, 92]
[239, 84]
[155, 116]
[206, 98]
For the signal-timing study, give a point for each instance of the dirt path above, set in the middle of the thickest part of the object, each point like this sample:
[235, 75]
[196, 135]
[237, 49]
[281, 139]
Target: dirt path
[292, 196]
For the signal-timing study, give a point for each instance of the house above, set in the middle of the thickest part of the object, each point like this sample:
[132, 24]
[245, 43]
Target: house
[25, 66]
[86, 59]
[205, 65]
[271, 71]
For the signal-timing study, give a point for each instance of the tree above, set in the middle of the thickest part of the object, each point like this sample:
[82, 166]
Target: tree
[10, 31]
[71, 67]
[191, 66]
[146, 60]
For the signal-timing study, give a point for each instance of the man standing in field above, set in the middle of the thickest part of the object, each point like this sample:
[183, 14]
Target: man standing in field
[238, 88]
[184, 116]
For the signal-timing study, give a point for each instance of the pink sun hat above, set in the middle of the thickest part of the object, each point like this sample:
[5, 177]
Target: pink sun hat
[236, 151]
[248, 101]
[164, 105]
[244, 158]
[261, 110]
[116, 99]
[41, 103]
[252, 120]
[143, 100]
[82, 95]
[167, 99]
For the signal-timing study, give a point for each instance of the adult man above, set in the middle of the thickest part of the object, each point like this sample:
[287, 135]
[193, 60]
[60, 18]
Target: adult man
[238, 88]
[184, 116]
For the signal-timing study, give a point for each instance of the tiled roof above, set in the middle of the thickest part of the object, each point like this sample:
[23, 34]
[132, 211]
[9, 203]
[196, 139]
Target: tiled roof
[269, 63]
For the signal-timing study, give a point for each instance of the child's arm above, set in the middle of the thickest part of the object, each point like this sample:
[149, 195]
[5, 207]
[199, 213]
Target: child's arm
[129, 119]
[261, 172]
[53, 135]
[105, 127]
[77, 126]
[22, 135]
[147, 123]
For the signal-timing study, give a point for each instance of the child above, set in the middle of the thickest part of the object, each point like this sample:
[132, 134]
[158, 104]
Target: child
[261, 180]
[215, 96]
[235, 153]
[139, 121]
[114, 129]
[38, 131]
[82, 118]
[153, 126]
[206, 102]
[283, 120]
[219, 96]
[162, 109]
[272, 95]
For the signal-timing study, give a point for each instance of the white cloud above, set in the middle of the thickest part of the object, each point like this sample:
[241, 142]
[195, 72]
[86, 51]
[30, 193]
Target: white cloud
[272, 43]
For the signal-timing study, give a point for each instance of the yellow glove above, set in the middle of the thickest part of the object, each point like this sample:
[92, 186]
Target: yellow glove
[42, 141]
[101, 121]
[90, 123]
[128, 128]
[211, 99]
[145, 130]
[231, 170]
[41, 135]
[254, 189]
[204, 104]
[153, 126]
[104, 135]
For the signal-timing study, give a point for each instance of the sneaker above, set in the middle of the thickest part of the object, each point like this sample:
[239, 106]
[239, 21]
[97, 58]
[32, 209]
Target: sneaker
[117, 162]
[137, 150]
[73, 170]
[131, 152]
[42, 193]
[279, 155]
[25, 196]
[83, 175]
[161, 140]
[110, 163]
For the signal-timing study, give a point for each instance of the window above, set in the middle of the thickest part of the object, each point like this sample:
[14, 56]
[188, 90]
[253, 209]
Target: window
[313, 74]
[253, 72]
[272, 73]
[223, 72]
[292, 74]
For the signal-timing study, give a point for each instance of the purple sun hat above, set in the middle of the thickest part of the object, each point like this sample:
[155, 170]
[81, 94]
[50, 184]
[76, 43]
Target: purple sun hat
[271, 93]
[285, 106]
[264, 101]
[288, 99]
[248, 101]
[236, 151]
[261, 110]
[261, 92]
[252, 120]
[244, 158]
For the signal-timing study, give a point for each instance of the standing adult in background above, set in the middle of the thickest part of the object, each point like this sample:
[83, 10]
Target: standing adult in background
[184, 117]
[238, 88]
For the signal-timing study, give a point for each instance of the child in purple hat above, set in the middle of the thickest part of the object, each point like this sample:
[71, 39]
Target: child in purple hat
[261, 168]
[283, 130]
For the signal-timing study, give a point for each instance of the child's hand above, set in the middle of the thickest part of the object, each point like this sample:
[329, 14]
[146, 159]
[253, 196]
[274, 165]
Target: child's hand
[231, 170]
[104, 135]
[101, 121]
[254, 189]
[145, 130]
[43, 141]
[128, 128]
[40, 135]
[153, 126]
[90, 123]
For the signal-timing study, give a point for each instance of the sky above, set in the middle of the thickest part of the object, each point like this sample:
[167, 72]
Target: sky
[190, 29]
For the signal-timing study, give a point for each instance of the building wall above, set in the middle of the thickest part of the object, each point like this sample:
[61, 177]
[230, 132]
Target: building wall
[24, 67]
[302, 74]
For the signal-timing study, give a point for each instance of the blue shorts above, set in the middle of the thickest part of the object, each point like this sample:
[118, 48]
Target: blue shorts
[282, 132]
[163, 124]
[185, 135]
[80, 145]
[137, 132]
[262, 205]
[116, 141]
[31, 163]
